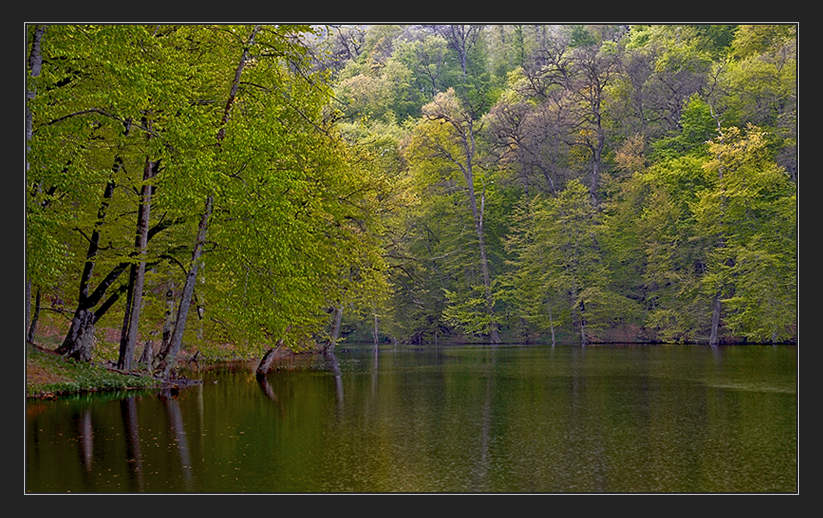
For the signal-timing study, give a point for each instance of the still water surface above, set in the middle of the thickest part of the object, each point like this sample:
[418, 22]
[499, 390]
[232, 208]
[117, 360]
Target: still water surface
[449, 419]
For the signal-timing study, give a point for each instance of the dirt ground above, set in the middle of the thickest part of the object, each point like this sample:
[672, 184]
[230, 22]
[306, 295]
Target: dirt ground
[37, 375]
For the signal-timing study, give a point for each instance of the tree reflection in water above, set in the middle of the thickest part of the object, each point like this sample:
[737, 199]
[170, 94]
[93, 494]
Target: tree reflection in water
[134, 459]
[175, 419]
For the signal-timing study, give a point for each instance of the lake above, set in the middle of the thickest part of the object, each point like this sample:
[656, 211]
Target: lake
[456, 419]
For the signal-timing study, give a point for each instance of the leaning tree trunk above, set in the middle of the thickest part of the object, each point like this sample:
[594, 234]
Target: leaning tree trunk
[128, 338]
[168, 356]
[264, 367]
[335, 331]
[268, 358]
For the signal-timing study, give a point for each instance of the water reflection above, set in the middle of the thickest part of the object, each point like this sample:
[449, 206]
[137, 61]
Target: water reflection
[483, 464]
[334, 365]
[175, 421]
[85, 436]
[134, 459]
[453, 419]
[375, 367]
[265, 386]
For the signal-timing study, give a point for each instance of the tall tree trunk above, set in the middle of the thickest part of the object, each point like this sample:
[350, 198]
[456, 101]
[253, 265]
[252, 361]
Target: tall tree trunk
[128, 339]
[33, 326]
[551, 325]
[374, 332]
[124, 330]
[168, 322]
[477, 214]
[461, 38]
[28, 309]
[494, 336]
[168, 356]
[597, 159]
[35, 65]
[716, 308]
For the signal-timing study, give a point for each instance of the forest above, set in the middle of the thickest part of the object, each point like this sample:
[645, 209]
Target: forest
[222, 190]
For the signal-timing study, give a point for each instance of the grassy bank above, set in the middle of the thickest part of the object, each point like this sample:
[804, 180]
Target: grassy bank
[49, 375]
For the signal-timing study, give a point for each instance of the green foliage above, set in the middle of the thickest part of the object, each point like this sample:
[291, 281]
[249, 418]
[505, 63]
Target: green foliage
[581, 37]
[672, 252]
[751, 213]
[560, 266]
[352, 187]
[698, 127]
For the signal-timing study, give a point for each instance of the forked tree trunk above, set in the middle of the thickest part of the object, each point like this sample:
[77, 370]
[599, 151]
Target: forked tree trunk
[77, 342]
[128, 338]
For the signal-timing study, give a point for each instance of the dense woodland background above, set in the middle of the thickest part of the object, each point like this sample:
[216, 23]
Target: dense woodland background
[223, 189]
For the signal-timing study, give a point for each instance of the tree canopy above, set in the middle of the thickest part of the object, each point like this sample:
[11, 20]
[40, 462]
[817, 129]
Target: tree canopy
[253, 183]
